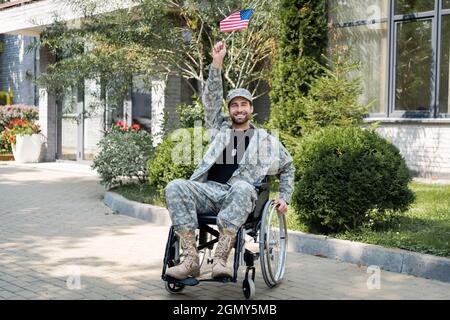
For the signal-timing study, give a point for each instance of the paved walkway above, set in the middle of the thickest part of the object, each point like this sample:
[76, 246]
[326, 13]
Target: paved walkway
[53, 226]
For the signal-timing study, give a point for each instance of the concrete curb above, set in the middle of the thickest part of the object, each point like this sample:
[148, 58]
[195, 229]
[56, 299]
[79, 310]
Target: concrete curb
[395, 260]
[147, 212]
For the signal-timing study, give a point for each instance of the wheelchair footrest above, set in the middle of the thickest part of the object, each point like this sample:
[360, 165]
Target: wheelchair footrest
[221, 279]
[187, 282]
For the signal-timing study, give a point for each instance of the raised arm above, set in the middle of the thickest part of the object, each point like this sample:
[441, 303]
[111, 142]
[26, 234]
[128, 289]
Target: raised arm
[213, 94]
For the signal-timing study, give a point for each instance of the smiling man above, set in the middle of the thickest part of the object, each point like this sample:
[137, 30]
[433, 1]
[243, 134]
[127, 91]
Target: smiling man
[239, 156]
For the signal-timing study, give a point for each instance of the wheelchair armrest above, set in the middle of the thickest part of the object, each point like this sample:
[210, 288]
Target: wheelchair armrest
[261, 186]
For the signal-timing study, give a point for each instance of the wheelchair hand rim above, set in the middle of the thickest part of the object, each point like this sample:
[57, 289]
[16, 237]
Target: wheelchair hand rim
[272, 275]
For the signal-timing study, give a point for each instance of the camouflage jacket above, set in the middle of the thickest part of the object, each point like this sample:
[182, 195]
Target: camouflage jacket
[264, 156]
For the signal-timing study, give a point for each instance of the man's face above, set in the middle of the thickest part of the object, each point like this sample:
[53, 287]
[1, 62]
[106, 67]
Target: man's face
[240, 110]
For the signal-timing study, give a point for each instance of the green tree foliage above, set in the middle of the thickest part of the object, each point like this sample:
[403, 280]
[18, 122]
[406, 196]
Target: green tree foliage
[302, 41]
[190, 114]
[333, 98]
[155, 38]
[348, 178]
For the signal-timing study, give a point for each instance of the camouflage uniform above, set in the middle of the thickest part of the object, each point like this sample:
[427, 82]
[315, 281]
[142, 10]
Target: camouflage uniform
[234, 201]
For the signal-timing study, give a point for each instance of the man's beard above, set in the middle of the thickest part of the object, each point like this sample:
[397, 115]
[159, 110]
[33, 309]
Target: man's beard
[241, 118]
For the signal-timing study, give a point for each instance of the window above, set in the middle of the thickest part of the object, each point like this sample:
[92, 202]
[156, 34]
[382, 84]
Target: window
[404, 49]
[444, 97]
[412, 6]
[363, 27]
[413, 68]
[356, 10]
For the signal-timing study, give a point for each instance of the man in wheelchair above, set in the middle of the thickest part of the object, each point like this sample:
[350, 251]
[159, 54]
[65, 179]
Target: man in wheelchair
[238, 157]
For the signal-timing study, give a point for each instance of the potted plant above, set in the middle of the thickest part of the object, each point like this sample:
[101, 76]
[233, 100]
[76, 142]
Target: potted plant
[25, 139]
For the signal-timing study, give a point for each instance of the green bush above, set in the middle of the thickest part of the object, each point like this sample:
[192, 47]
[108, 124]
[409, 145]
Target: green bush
[124, 153]
[189, 114]
[348, 178]
[176, 157]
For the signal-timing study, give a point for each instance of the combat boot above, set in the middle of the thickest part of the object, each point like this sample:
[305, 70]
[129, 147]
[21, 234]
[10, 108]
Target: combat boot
[191, 263]
[226, 242]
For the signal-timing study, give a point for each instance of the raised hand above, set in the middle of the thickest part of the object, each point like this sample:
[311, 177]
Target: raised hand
[218, 54]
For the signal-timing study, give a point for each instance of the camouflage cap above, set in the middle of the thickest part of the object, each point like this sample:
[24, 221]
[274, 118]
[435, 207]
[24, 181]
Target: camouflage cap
[239, 92]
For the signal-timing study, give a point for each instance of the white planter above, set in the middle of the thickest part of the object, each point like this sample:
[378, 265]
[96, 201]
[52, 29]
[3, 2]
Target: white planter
[27, 148]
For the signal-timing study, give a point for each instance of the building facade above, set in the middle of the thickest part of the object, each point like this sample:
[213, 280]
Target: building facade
[404, 50]
[71, 135]
[403, 47]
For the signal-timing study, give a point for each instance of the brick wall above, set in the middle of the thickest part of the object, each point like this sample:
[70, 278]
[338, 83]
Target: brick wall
[14, 64]
[425, 147]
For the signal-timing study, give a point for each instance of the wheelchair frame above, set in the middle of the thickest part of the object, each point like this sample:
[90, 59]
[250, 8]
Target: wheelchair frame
[258, 226]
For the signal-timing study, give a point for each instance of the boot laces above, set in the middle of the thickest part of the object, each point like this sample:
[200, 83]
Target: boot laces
[224, 247]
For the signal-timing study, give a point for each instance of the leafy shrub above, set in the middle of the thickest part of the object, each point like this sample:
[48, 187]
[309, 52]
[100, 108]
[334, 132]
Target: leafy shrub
[348, 178]
[189, 114]
[124, 153]
[176, 157]
[9, 113]
[6, 98]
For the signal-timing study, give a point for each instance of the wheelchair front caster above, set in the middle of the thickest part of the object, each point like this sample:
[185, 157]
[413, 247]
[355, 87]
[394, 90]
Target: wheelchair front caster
[248, 287]
[173, 287]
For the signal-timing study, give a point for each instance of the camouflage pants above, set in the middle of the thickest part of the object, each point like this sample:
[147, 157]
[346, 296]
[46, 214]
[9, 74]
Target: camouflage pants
[187, 199]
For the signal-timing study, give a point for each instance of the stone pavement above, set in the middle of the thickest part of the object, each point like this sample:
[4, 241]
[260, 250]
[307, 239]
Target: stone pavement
[54, 227]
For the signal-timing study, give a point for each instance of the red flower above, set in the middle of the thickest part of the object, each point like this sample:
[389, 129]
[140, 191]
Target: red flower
[136, 127]
[120, 123]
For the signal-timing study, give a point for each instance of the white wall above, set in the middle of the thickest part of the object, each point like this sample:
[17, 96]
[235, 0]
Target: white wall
[425, 146]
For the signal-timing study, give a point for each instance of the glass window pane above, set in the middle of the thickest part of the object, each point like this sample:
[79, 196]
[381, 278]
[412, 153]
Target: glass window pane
[444, 98]
[411, 6]
[446, 4]
[354, 10]
[92, 135]
[414, 66]
[368, 45]
[69, 127]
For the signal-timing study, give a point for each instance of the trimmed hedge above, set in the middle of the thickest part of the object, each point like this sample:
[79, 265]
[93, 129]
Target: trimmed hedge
[348, 178]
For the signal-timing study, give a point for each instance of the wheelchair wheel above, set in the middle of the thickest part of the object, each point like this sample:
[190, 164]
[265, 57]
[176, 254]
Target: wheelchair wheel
[173, 288]
[248, 288]
[272, 245]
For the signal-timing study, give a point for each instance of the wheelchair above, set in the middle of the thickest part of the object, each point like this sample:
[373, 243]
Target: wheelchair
[265, 229]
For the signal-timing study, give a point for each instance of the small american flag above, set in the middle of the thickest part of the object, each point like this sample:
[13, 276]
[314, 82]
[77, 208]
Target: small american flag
[237, 21]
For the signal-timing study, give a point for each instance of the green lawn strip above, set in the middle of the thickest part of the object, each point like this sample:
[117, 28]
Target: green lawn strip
[141, 193]
[425, 228]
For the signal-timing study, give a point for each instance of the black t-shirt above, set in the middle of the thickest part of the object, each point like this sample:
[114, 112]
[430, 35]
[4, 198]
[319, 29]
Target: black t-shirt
[231, 156]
